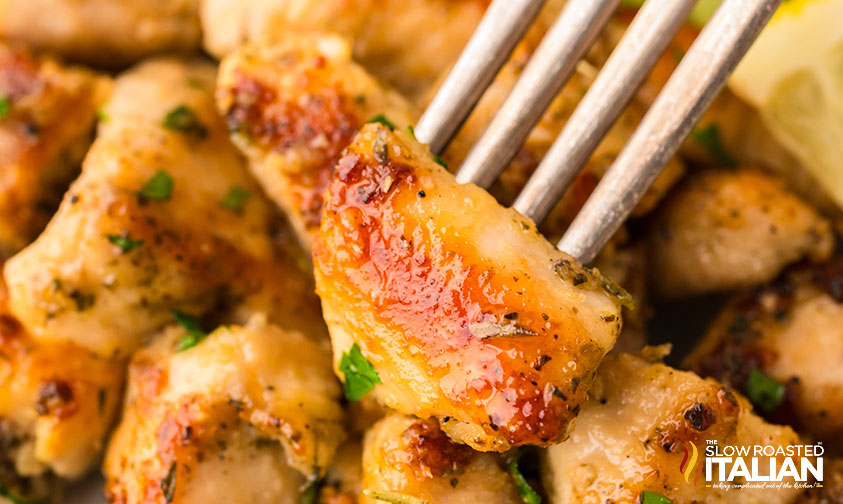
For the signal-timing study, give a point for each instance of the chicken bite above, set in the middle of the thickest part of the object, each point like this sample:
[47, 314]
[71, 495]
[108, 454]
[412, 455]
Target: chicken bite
[465, 311]
[47, 116]
[103, 32]
[238, 418]
[57, 402]
[730, 229]
[412, 458]
[393, 39]
[292, 108]
[632, 434]
[164, 217]
[782, 344]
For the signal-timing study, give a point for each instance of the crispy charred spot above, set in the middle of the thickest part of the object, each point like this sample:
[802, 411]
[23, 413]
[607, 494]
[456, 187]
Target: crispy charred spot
[829, 278]
[56, 398]
[324, 121]
[431, 453]
[700, 416]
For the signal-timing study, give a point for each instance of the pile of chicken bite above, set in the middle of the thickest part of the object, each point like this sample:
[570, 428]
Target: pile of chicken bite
[232, 274]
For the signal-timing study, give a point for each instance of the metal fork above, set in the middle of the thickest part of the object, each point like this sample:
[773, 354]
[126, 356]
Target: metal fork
[690, 90]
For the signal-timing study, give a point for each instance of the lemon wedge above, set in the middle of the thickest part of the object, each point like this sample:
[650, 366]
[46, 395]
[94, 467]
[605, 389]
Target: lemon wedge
[793, 75]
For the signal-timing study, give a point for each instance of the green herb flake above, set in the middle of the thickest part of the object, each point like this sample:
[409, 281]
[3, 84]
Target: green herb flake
[310, 495]
[168, 484]
[183, 119]
[653, 498]
[195, 334]
[381, 119]
[235, 199]
[412, 131]
[709, 138]
[441, 162]
[393, 497]
[159, 187]
[360, 374]
[5, 106]
[124, 242]
[8, 495]
[763, 391]
[527, 493]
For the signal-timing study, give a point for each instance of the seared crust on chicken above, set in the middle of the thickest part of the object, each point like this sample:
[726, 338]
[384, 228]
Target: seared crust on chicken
[408, 43]
[47, 117]
[292, 108]
[789, 330]
[104, 32]
[205, 423]
[151, 226]
[631, 437]
[729, 229]
[406, 456]
[466, 311]
[57, 402]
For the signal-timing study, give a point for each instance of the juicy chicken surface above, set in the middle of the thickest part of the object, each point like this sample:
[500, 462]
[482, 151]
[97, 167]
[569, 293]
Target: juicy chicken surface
[102, 32]
[394, 39]
[729, 229]
[790, 331]
[47, 119]
[131, 241]
[631, 437]
[487, 327]
[292, 108]
[204, 424]
[57, 402]
[409, 457]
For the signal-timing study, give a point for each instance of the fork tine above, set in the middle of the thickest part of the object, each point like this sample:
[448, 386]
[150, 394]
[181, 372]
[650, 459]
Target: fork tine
[689, 91]
[635, 55]
[550, 67]
[503, 25]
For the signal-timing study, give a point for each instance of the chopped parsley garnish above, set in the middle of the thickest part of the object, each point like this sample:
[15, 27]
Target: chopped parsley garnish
[381, 119]
[310, 495]
[195, 334]
[184, 120]
[412, 130]
[6, 494]
[5, 106]
[763, 391]
[441, 162]
[159, 187]
[393, 497]
[527, 493]
[124, 242]
[360, 374]
[708, 137]
[235, 199]
[168, 484]
[653, 498]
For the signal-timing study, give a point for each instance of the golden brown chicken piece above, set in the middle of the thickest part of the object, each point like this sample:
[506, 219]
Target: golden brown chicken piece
[782, 345]
[730, 229]
[164, 217]
[244, 416]
[408, 43]
[131, 244]
[47, 117]
[103, 32]
[292, 108]
[632, 435]
[487, 327]
[626, 264]
[406, 456]
[342, 483]
[57, 402]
